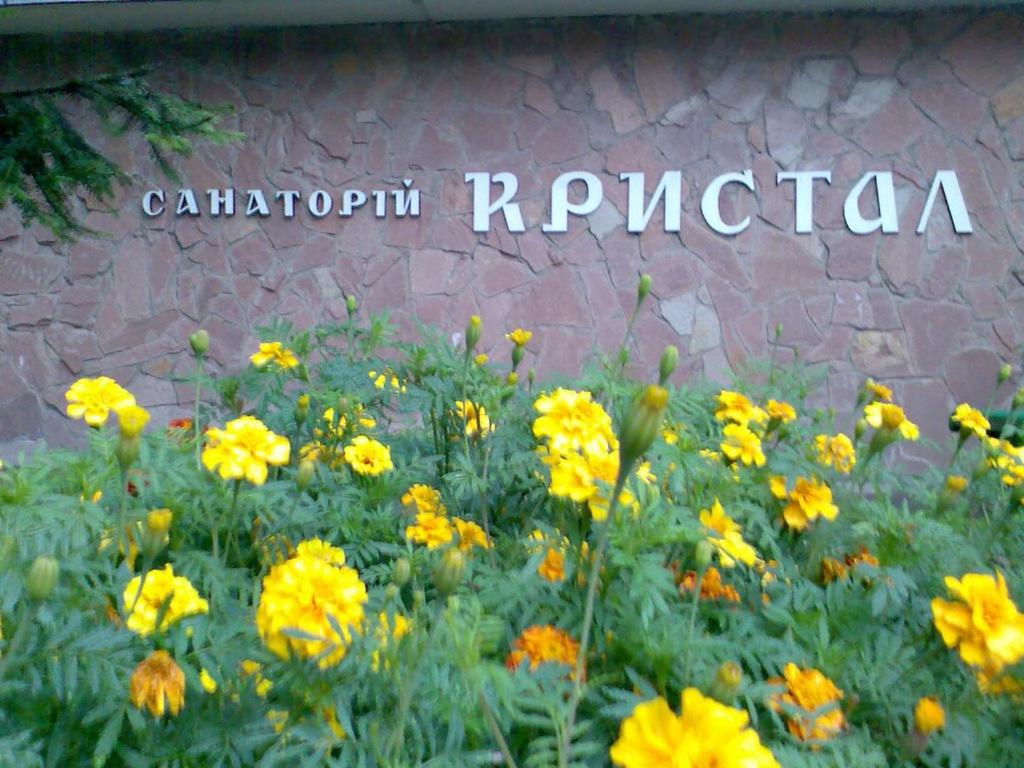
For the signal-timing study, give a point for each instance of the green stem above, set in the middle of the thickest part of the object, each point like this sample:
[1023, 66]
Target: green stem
[565, 747]
[495, 729]
[692, 625]
[195, 410]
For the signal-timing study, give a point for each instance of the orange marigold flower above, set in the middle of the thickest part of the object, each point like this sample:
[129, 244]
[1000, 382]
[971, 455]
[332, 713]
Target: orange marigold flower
[804, 700]
[711, 586]
[543, 644]
[158, 685]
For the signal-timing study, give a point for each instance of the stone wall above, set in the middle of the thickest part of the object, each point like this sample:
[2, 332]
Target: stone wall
[931, 315]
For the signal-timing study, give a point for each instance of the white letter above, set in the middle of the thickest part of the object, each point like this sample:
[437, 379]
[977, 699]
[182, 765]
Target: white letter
[709, 202]
[225, 198]
[483, 208]
[256, 203]
[670, 186]
[380, 197]
[319, 203]
[147, 202]
[560, 205]
[187, 203]
[887, 219]
[406, 203]
[804, 195]
[289, 196]
[351, 198]
[954, 203]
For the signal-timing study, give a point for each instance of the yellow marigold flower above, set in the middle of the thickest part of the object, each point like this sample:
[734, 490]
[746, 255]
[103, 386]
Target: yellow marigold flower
[366, 456]
[331, 718]
[983, 623]
[159, 586]
[206, 680]
[386, 633]
[470, 535]
[318, 548]
[1000, 683]
[956, 484]
[670, 435]
[704, 734]
[877, 391]
[929, 716]
[890, 418]
[380, 380]
[836, 451]
[475, 418]
[552, 567]
[711, 586]
[158, 521]
[431, 529]
[735, 407]
[809, 500]
[481, 359]
[278, 718]
[836, 570]
[781, 411]
[579, 477]
[807, 692]
[243, 449]
[570, 422]
[519, 337]
[740, 444]
[254, 669]
[310, 595]
[729, 539]
[94, 399]
[644, 474]
[970, 421]
[424, 498]
[543, 644]
[132, 419]
[276, 353]
[710, 455]
[833, 570]
[158, 685]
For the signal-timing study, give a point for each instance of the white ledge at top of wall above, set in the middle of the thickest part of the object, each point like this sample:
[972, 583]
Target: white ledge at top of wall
[53, 16]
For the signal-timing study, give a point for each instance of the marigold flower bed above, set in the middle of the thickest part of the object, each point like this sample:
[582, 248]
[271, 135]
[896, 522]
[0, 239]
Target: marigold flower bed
[429, 557]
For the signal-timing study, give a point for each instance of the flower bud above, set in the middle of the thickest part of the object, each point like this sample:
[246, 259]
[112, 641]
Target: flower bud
[517, 356]
[301, 408]
[669, 361]
[350, 305]
[419, 598]
[127, 451]
[42, 577]
[859, 428]
[132, 420]
[448, 572]
[703, 554]
[473, 330]
[304, 474]
[200, 342]
[512, 378]
[778, 331]
[1018, 399]
[155, 531]
[643, 288]
[531, 376]
[641, 426]
[401, 572]
[727, 682]
[1005, 371]
[391, 592]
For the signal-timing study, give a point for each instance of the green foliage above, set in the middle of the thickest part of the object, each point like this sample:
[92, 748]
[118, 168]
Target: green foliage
[442, 695]
[45, 160]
